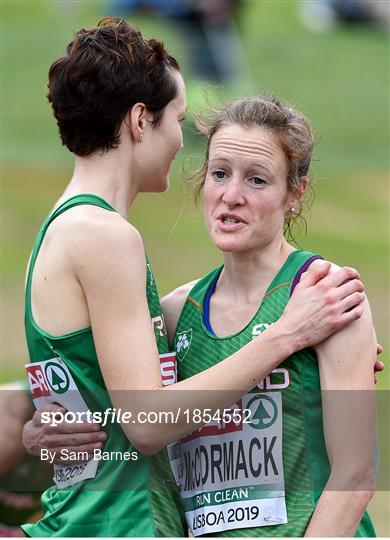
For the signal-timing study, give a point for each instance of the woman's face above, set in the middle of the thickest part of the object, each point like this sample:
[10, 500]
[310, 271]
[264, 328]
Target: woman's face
[161, 143]
[245, 191]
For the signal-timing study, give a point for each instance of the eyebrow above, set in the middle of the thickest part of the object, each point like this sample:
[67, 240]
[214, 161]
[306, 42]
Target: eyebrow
[254, 164]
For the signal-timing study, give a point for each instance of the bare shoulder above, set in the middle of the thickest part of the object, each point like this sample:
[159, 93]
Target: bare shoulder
[172, 305]
[101, 249]
[90, 231]
[346, 358]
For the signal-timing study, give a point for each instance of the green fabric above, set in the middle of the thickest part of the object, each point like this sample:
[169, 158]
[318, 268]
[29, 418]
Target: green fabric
[126, 498]
[305, 461]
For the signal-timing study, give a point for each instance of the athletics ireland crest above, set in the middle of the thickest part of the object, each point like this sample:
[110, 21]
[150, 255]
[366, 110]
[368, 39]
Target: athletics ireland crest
[182, 343]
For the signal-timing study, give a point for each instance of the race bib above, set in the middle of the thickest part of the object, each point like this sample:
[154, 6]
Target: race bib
[51, 382]
[233, 472]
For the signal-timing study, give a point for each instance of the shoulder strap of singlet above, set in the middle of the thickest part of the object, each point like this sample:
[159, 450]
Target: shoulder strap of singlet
[199, 290]
[195, 297]
[303, 269]
[77, 200]
[206, 302]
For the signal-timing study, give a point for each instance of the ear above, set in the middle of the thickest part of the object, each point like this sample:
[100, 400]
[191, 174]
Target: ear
[136, 119]
[295, 197]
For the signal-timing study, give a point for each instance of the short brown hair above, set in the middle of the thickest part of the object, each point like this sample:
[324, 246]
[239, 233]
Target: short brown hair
[104, 72]
[292, 128]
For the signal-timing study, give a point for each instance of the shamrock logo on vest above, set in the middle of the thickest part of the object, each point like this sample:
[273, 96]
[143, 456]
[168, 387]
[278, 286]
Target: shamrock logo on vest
[57, 377]
[182, 343]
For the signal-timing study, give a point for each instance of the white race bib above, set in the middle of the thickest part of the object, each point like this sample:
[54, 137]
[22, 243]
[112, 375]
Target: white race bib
[51, 382]
[233, 473]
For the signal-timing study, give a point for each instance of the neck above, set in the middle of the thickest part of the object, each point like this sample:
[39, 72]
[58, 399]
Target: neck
[246, 275]
[106, 175]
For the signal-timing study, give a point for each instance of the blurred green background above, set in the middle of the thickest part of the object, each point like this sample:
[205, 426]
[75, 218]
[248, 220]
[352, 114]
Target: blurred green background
[339, 79]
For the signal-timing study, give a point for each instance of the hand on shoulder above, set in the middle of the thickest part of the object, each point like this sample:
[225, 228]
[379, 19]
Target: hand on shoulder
[340, 287]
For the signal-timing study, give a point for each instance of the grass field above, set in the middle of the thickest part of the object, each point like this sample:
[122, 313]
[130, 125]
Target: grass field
[339, 79]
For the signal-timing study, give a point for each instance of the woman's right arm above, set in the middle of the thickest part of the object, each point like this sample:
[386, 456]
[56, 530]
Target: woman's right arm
[111, 269]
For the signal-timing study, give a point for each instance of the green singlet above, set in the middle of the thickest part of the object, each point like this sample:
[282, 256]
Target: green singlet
[126, 498]
[262, 473]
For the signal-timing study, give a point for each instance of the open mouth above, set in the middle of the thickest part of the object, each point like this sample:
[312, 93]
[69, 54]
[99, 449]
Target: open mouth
[229, 219]
[230, 222]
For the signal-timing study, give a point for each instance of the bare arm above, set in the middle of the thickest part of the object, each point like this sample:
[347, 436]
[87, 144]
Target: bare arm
[346, 361]
[108, 260]
[115, 290]
[112, 273]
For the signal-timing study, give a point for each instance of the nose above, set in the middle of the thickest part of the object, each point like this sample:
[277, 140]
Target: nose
[233, 193]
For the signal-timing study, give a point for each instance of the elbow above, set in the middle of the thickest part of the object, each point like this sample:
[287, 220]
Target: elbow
[146, 448]
[361, 498]
[359, 484]
[144, 441]
[365, 488]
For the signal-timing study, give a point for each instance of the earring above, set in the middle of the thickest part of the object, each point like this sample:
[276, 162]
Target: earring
[140, 137]
[292, 210]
